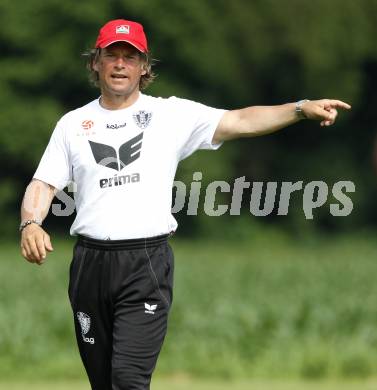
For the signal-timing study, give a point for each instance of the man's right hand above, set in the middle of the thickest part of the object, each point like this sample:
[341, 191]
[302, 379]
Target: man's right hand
[35, 243]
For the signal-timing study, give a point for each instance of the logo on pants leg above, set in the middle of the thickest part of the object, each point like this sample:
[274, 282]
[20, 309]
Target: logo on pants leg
[84, 321]
[150, 309]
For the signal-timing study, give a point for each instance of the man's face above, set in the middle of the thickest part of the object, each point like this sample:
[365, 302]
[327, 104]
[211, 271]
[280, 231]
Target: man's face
[119, 68]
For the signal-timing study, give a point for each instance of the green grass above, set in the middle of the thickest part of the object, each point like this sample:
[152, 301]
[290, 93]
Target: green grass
[205, 385]
[269, 307]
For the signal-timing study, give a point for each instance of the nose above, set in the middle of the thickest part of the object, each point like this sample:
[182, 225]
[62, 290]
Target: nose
[120, 63]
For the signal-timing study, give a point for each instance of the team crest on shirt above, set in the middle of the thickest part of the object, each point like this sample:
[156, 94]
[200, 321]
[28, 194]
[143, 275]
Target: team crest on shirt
[142, 118]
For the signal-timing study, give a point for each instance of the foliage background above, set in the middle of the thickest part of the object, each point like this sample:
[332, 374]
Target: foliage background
[225, 54]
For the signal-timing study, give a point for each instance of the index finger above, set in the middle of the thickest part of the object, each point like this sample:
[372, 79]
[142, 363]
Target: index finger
[41, 248]
[340, 104]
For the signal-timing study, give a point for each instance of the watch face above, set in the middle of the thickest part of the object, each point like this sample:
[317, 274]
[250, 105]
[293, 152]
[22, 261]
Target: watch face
[299, 112]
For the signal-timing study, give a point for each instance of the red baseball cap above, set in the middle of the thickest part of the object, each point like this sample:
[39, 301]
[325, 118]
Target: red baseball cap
[121, 30]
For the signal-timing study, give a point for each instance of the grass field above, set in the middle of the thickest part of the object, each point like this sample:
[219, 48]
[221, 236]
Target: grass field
[268, 307]
[205, 385]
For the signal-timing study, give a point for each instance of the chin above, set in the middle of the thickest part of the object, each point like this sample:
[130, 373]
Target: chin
[119, 91]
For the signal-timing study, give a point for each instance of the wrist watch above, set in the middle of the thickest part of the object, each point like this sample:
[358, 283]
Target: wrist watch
[29, 222]
[300, 114]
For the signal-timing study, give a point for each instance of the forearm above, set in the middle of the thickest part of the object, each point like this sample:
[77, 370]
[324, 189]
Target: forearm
[257, 120]
[260, 120]
[37, 201]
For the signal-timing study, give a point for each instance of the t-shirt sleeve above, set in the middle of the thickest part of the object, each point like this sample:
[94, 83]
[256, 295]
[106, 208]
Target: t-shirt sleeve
[201, 122]
[55, 165]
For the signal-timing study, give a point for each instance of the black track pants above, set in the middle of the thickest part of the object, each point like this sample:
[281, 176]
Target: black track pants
[121, 293]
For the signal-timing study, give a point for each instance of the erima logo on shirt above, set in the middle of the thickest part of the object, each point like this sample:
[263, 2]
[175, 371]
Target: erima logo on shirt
[107, 156]
[123, 29]
[119, 180]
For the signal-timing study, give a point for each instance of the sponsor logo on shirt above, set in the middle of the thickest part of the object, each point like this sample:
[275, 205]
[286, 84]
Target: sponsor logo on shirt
[142, 118]
[108, 157]
[86, 128]
[88, 124]
[116, 126]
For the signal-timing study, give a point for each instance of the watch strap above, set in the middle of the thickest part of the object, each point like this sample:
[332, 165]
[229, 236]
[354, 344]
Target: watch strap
[298, 108]
[29, 222]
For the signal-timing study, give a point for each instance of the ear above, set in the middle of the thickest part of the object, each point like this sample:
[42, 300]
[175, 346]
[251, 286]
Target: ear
[95, 65]
[96, 60]
[143, 70]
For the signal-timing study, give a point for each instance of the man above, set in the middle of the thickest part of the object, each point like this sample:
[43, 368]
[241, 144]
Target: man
[122, 152]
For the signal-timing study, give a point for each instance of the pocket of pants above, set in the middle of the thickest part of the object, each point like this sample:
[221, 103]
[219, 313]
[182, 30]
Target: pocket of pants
[74, 280]
[160, 271]
[170, 272]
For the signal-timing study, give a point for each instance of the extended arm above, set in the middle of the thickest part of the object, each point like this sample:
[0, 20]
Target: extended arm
[35, 242]
[260, 120]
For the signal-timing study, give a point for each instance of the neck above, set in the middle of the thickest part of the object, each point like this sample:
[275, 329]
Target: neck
[117, 102]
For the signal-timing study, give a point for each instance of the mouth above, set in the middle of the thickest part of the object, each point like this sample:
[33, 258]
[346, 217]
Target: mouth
[118, 76]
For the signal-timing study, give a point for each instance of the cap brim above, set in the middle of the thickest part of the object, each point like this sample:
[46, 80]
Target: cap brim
[106, 44]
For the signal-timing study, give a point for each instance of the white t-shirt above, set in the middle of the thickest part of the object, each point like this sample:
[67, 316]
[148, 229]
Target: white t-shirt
[123, 162]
